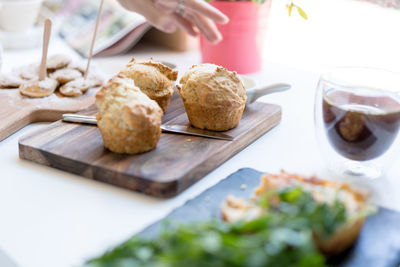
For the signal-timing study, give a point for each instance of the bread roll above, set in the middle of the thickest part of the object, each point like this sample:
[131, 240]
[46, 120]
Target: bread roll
[214, 97]
[128, 120]
[322, 191]
[154, 79]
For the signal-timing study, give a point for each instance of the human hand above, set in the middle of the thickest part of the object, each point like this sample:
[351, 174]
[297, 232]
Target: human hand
[191, 15]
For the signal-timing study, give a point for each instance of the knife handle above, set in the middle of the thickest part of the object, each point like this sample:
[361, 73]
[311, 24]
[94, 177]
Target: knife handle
[79, 118]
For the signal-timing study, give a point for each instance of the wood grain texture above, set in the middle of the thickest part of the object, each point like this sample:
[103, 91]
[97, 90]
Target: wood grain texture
[176, 163]
[17, 111]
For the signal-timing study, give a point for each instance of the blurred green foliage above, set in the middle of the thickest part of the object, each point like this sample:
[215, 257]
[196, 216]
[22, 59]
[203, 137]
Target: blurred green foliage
[281, 236]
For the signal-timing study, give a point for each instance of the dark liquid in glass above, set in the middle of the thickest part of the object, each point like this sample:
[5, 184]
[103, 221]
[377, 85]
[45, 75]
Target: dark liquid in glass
[360, 128]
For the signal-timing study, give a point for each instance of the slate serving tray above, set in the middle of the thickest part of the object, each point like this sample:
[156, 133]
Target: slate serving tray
[377, 246]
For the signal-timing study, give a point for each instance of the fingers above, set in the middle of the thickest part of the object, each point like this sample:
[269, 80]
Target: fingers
[163, 24]
[193, 6]
[166, 6]
[161, 21]
[185, 25]
[207, 10]
[154, 16]
[195, 14]
[206, 27]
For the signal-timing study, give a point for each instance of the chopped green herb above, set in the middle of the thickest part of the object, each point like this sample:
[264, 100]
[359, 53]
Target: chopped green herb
[282, 236]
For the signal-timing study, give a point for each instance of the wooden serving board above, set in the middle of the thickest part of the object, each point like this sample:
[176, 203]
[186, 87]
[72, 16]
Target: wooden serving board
[377, 245]
[17, 111]
[177, 162]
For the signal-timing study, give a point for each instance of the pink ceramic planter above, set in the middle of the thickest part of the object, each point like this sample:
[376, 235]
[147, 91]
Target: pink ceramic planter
[241, 48]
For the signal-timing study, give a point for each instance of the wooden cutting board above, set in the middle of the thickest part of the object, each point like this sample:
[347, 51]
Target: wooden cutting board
[377, 245]
[17, 111]
[177, 162]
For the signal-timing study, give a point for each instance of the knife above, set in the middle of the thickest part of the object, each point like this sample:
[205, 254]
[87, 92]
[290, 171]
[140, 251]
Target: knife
[166, 128]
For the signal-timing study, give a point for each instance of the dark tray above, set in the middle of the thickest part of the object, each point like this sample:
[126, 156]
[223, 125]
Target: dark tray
[377, 246]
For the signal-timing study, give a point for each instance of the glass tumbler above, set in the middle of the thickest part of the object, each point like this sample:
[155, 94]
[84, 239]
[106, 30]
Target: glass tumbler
[357, 120]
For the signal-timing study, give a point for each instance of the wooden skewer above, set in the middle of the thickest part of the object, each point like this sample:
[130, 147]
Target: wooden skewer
[46, 38]
[94, 38]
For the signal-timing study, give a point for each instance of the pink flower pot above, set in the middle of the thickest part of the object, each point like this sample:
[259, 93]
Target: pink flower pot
[243, 37]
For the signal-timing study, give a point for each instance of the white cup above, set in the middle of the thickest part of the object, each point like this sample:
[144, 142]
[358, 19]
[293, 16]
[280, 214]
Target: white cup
[18, 15]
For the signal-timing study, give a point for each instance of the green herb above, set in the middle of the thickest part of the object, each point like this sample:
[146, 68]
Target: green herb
[208, 244]
[301, 12]
[282, 236]
[289, 7]
[259, 2]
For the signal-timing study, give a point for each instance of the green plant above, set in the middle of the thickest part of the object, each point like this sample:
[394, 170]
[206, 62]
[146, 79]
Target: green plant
[289, 7]
[299, 10]
[281, 236]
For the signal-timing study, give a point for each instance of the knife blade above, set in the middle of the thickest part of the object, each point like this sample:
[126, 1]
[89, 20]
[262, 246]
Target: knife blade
[166, 128]
[184, 129]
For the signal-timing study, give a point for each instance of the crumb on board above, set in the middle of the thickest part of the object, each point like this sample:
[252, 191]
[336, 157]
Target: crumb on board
[243, 186]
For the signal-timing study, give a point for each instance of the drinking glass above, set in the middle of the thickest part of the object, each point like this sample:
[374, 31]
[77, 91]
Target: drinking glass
[357, 120]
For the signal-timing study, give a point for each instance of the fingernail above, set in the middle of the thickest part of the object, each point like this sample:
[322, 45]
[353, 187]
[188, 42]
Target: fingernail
[224, 20]
[215, 40]
[219, 37]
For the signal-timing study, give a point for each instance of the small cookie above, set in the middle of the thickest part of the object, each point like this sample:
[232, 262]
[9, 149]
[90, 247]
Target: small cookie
[58, 61]
[76, 87]
[39, 88]
[8, 81]
[96, 80]
[78, 65]
[28, 72]
[65, 75]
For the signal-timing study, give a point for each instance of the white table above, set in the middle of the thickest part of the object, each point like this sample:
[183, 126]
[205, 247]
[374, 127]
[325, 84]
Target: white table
[52, 218]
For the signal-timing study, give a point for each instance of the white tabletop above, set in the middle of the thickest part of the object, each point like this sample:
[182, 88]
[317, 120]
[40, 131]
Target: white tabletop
[52, 218]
